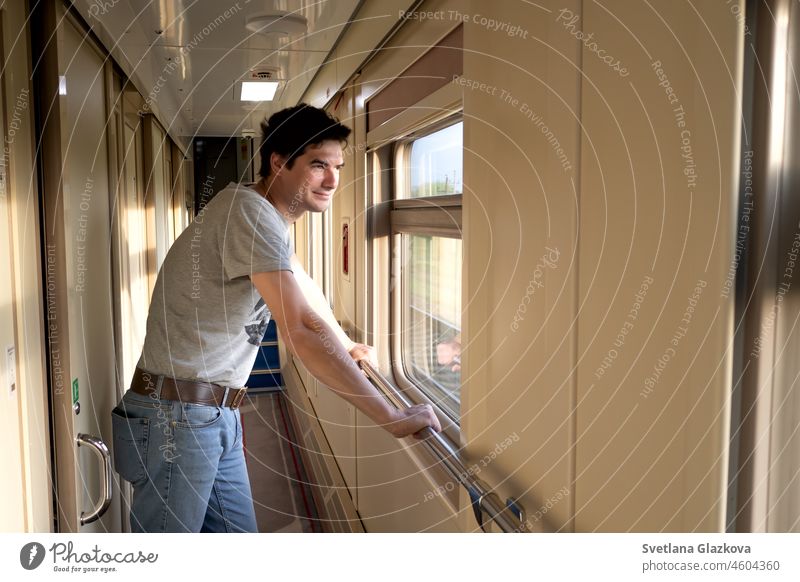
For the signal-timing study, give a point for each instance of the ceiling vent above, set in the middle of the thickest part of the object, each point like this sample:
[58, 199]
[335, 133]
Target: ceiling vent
[277, 22]
[265, 74]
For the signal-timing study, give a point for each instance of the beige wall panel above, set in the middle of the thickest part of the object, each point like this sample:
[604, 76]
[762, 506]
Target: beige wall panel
[520, 213]
[89, 279]
[180, 185]
[324, 79]
[157, 176]
[55, 237]
[301, 250]
[372, 22]
[337, 419]
[783, 513]
[22, 199]
[347, 208]
[657, 193]
[314, 264]
[395, 493]
[370, 25]
[344, 209]
[12, 483]
[133, 250]
[410, 42]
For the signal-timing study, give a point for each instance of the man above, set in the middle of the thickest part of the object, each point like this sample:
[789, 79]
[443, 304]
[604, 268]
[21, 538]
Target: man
[177, 431]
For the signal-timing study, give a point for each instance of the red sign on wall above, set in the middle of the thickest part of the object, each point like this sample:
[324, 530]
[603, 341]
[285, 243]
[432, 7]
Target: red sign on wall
[345, 248]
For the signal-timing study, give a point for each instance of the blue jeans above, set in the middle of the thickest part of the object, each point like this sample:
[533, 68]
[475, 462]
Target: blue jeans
[186, 464]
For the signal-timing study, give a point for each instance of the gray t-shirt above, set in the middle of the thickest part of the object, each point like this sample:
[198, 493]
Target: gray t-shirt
[206, 318]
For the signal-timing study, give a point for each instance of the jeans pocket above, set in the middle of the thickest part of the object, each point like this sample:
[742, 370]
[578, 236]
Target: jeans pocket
[197, 416]
[130, 445]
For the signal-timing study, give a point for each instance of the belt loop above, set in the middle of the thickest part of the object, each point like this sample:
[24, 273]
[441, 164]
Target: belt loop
[159, 385]
[225, 396]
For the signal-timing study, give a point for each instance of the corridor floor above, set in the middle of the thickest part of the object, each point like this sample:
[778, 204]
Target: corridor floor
[282, 497]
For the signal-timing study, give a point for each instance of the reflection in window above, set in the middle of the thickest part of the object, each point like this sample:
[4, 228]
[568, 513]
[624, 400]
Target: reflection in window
[432, 317]
[435, 163]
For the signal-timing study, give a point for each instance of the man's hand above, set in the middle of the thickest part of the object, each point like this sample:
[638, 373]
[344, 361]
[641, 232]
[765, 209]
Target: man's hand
[363, 352]
[413, 421]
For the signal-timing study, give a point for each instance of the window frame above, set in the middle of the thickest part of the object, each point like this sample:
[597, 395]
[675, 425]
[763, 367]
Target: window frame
[439, 216]
[430, 387]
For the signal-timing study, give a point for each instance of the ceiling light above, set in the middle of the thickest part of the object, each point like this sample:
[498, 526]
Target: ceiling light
[259, 90]
[278, 22]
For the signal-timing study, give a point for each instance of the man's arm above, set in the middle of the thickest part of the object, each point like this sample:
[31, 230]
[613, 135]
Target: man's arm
[318, 303]
[313, 340]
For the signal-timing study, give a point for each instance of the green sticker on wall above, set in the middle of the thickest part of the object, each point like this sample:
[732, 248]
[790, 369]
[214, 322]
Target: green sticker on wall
[74, 390]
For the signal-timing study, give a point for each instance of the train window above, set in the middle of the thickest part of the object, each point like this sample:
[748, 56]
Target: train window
[425, 222]
[436, 162]
[431, 317]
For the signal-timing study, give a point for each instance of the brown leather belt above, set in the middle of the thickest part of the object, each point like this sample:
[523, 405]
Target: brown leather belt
[189, 391]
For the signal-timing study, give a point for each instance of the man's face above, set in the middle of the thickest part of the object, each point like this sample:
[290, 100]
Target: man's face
[311, 181]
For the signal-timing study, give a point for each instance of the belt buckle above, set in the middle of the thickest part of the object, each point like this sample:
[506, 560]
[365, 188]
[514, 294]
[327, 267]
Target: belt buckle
[238, 397]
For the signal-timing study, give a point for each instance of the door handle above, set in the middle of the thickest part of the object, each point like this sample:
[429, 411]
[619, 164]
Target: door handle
[101, 450]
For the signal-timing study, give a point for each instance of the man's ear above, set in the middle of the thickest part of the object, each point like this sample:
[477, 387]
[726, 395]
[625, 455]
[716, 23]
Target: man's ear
[276, 163]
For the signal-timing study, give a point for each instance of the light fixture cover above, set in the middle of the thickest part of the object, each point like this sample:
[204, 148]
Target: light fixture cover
[259, 90]
[277, 22]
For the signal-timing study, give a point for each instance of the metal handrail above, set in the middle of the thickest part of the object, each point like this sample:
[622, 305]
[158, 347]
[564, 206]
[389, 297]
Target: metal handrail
[483, 499]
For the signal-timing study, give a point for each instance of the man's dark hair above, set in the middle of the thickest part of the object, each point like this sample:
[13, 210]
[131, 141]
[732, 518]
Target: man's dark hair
[290, 131]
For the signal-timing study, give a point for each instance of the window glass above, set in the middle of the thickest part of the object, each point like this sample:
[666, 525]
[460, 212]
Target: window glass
[435, 163]
[431, 317]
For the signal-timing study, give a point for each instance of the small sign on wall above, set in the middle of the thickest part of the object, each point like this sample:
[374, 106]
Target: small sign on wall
[345, 246]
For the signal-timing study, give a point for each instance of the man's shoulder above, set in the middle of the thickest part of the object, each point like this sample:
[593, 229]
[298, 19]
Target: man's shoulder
[236, 199]
[239, 207]
[254, 205]
[241, 193]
